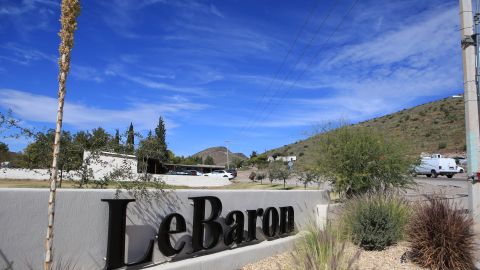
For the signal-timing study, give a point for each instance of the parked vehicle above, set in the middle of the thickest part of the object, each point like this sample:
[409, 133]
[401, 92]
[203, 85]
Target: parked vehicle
[179, 173]
[436, 165]
[460, 169]
[195, 172]
[233, 172]
[220, 173]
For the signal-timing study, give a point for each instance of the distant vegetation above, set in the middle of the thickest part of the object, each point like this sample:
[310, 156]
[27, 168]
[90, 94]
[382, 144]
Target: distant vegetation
[437, 126]
[38, 153]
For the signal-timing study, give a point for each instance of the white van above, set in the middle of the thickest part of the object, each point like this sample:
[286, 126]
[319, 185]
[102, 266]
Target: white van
[436, 165]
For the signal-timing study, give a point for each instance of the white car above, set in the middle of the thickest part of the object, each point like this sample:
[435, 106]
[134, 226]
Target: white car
[460, 169]
[220, 173]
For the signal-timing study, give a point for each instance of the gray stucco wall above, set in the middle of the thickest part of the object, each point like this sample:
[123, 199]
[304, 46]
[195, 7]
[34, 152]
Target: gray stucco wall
[81, 221]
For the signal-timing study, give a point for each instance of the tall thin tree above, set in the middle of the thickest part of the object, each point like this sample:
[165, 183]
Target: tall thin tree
[160, 134]
[130, 139]
[70, 13]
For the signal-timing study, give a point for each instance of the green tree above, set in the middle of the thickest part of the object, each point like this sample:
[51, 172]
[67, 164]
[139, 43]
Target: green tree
[278, 171]
[209, 161]
[38, 154]
[100, 139]
[307, 174]
[358, 160]
[130, 139]
[114, 144]
[237, 162]
[161, 145]
[4, 152]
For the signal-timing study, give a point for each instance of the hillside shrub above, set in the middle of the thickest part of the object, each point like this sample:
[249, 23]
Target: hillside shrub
[441, 237]
[252, 176]
[260, 177]
[375, 221]
[442, 145]
[278, 171]
[358, 160]
[322, 250]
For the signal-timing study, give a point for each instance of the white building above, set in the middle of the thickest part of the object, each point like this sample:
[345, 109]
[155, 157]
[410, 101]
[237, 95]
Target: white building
[104, 163]
[282, 158]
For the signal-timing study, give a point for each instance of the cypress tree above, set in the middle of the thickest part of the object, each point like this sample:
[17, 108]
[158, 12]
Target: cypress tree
[130, 139]
[160, 134]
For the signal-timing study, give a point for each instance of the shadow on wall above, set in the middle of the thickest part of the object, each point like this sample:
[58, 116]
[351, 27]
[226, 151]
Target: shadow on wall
[142, 212]
[5, 263]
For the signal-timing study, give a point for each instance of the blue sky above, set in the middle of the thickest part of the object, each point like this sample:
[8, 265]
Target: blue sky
[208, 67]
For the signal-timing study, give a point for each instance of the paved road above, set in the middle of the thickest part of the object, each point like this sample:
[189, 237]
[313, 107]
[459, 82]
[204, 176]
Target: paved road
[456, 188]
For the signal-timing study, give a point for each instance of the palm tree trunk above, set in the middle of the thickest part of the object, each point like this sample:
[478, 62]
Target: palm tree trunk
[70, 12]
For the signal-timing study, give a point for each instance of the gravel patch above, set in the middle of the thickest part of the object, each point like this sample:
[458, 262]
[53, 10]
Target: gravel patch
[378, 260]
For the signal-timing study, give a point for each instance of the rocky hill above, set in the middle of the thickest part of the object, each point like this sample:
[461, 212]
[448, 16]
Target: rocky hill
[219, 155]
[437, 126]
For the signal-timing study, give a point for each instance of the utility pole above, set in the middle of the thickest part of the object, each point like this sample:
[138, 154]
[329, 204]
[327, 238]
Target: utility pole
[469, 54]
[228, 162]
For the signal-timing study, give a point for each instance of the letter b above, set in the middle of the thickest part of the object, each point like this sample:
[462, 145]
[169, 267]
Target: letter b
[200, 223]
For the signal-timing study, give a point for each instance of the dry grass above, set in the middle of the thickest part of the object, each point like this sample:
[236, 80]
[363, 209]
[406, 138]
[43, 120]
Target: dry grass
[322, 250]
[441, 237]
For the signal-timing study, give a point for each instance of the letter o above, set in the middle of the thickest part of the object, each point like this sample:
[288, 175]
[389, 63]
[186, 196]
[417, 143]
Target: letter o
[270, 230]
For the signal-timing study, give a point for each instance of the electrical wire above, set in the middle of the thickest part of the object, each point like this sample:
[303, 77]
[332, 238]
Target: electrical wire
[354, 2]
[277, 72]
[305, 49]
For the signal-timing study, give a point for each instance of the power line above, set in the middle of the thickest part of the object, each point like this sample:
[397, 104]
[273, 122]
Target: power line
[277, 72]
[305, 49]
[354, 2]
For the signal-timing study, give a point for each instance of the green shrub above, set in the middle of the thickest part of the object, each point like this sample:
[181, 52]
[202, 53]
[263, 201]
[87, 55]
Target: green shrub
[375, 221]
[442, 145]
[358, 160]
[260, 176]
[322, 250]
[441, 237]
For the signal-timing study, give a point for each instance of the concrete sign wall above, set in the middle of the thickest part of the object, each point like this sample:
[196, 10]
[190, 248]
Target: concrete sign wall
[81, 222]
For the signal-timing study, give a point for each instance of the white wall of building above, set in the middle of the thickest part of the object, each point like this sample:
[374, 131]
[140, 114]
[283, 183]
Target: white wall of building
[282, 158]
[81, 221]
[105, 163]
[33, 174]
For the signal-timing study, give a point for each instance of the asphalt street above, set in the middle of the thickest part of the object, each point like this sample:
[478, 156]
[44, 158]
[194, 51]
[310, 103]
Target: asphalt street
[454, 189]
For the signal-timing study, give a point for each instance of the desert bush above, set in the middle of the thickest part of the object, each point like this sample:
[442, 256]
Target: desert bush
[442, 145]
[252, 176]
[278, 171]
[375, 221]
[260, 177]
[322, 250]
[358, 160]
[306, 174]
[440, 236]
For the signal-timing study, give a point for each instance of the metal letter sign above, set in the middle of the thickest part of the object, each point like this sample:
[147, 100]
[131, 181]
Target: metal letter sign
[274, 224]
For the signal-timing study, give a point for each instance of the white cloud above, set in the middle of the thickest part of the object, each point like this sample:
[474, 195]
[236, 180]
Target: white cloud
[86, 73]
[380, 75]
[23, 55]
[214, 10]
[144, 115]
